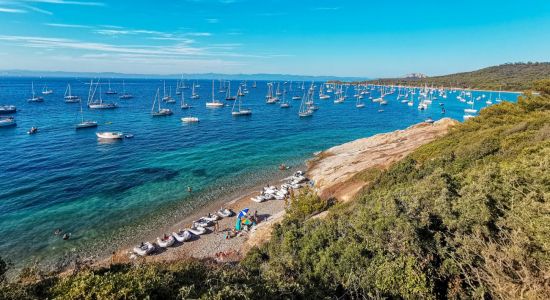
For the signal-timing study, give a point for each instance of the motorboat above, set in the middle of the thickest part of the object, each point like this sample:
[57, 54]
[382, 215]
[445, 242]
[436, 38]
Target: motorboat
[144, 249]
[33, 130]
[182, 235]
[7, 122]
[110, 135]
[190, 120]
[8, 109]
[166, 241]
[225, 212]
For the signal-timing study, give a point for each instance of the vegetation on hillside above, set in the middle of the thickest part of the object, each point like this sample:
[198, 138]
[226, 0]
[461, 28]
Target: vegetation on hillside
[466, 216]
[508, 77]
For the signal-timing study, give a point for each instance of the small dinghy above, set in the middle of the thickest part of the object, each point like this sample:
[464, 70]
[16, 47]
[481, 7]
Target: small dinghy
[258, 199]
[182, 235]
[225, 212]
[144, 249]
[197, 230]
[203, 222]
[166, 241]
[212, 217]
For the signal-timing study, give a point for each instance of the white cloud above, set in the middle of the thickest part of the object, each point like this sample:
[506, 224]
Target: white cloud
[67, 2]
[12, 10]
[212, 20]
[66, 25]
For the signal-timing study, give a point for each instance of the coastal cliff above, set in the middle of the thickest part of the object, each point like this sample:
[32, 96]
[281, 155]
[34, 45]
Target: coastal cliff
[335, 171]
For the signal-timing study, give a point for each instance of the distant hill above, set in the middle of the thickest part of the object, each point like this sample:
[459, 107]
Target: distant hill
[214, 76]
[510, 76]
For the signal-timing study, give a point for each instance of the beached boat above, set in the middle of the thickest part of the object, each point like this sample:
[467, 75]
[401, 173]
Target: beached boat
[166, 241]
[144, 249]
[7, 121]
[7, 109]
[197, 230]
[182, 235]
[225, 212]
[110, 135]
[160, 112]
[69, 97]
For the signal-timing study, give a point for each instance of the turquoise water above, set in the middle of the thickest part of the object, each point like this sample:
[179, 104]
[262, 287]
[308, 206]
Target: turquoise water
[108, 194]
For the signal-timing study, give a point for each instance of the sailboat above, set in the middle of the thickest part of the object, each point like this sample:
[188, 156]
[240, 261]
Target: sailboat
[125, 95]
[46, 90]
[304, 111]
[167, 97]
[184, 105]
[69, 97]
[359, 103]
[160, 112]
[284, 104]
[498, 98]
[99, 104]
[322, 95]
[34, 98]
[110, 91]
[214, 103]
[85, 124]
[228, 93]
[194, 94]
[254, 85]
[270, 99]
[237, 110]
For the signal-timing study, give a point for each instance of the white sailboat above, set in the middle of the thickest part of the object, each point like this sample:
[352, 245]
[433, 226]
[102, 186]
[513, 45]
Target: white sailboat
[237, 110]
[34, 98]
[284, 103]
[305, 110]
[214, 103]
[228, 93]
[99, 104]
[125, 95]
[194, 94]
[160, 112]
[69, 97]
[46, 90]
[167, 97]
[110, 91]
[184, 105]
[85, 124]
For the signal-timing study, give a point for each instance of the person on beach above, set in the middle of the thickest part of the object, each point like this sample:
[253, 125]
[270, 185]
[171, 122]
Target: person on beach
[216, 227]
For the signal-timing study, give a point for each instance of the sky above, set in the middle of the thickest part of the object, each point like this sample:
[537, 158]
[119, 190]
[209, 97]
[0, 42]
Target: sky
[359, 38]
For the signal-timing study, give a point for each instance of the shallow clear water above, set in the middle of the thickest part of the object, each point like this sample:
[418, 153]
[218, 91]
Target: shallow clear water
[104, 193]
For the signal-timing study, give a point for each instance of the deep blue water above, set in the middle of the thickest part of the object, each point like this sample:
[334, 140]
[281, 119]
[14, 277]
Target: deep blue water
[63, 178]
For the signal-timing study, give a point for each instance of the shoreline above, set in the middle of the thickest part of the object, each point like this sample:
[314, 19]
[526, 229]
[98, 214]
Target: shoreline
[332, 170]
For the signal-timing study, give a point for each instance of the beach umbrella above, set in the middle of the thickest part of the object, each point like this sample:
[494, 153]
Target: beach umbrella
[242, 213]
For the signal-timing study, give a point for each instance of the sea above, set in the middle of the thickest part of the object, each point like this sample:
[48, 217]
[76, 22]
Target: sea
[111, 194]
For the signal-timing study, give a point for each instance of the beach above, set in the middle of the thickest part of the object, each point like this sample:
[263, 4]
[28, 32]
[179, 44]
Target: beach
[333, 173]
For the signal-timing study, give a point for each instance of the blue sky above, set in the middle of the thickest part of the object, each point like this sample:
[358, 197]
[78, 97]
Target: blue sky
[322, 37]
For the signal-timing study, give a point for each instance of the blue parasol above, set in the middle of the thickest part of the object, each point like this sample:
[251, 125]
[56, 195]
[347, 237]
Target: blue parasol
[242, 213]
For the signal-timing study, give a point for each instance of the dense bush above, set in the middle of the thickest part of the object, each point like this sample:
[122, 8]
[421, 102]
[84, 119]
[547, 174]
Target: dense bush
[466, 216]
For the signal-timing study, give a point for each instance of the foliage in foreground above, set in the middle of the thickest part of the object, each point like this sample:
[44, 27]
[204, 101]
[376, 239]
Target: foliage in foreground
[466, 216]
